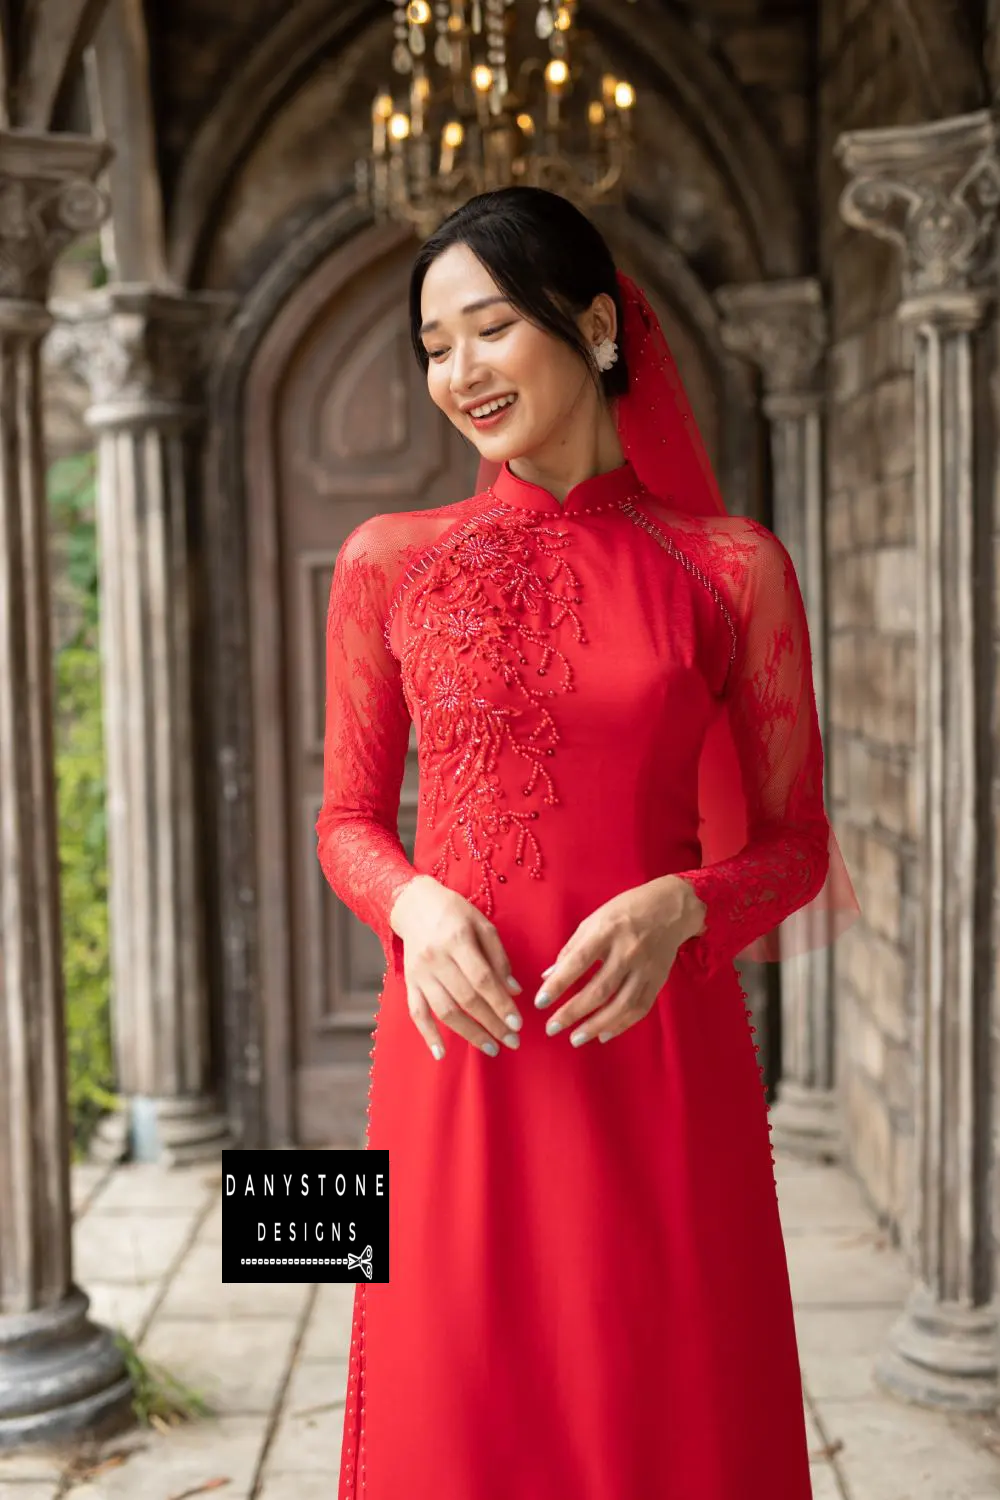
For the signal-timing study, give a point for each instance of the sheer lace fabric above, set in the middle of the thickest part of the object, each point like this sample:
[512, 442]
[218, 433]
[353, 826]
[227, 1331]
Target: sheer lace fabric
[768, 705]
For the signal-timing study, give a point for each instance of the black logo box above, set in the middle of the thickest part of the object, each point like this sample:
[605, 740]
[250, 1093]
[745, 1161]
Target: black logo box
[305, 1216]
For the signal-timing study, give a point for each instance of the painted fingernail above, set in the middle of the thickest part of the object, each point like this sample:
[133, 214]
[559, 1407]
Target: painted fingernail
[578, 1038]
[512, 1039]
[553, 1027]
[542, 999]
[513, 1021]
[605, 1036]
[548, 971]
[512, 984]
[437, 1051]
[491, 1048]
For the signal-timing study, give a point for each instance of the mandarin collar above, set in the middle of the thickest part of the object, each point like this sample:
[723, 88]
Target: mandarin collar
[599, 492]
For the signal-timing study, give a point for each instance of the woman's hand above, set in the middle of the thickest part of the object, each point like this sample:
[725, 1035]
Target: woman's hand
[636, 936]
[455, 967]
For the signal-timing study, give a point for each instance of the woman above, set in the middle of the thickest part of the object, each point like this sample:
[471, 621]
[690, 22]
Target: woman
[620, 792]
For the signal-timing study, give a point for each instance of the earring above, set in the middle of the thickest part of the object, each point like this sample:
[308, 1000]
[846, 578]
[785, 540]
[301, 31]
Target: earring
[605, 354]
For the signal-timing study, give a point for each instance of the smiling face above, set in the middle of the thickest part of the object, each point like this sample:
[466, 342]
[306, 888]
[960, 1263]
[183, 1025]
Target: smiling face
[482, 351]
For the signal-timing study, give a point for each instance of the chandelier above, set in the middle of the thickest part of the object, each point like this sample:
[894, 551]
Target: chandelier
[483, 100]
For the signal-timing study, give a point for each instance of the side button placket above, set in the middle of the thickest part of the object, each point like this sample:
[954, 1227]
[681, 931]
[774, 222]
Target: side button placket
[354, 1452]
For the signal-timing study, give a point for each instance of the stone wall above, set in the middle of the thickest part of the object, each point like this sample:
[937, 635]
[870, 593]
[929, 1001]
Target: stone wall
[991, 54]
[864, 82]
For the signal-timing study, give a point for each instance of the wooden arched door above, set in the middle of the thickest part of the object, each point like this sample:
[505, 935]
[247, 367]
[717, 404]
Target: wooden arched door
[340, 427]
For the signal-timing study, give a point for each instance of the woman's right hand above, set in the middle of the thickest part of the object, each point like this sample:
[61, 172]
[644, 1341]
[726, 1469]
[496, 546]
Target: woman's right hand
[455, 967]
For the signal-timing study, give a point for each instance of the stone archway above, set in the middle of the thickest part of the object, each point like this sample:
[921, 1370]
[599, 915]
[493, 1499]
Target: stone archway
[684, 81]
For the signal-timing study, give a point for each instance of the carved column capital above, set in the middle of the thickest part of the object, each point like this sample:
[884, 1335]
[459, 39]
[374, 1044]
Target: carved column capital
[143, 351]
[780, 326]
[47, 199]
[933, 190]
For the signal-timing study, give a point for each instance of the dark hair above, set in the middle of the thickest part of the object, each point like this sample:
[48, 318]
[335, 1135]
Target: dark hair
[543, 253]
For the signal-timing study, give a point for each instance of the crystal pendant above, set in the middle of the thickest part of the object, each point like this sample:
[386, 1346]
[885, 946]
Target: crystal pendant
[544, 24]
[402, 58]
[442, 52]
[417, 44]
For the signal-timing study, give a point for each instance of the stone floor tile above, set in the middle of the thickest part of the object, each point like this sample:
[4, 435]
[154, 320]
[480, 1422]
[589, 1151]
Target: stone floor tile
[787, 1164]
[24, 1468]
[838, 1352]
[210, 1232]
[125, 1247]
[824, 1478]
[136, 1186]
[814, 1437]
[29, 1489]
[845, 1270]
[85, 1179]
[892, 1451]
[318, 1486]
[824, 1483]
[822, 1199]
[328, 1332]
[163, 1466]
[124, 1307]
[198, 1291]
[238, 1368]
[311, 1425]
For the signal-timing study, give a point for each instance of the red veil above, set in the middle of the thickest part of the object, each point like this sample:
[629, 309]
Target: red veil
[660, 438]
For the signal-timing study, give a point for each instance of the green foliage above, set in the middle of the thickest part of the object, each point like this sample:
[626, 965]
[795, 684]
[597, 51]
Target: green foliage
[158, 1398]
[81, 798]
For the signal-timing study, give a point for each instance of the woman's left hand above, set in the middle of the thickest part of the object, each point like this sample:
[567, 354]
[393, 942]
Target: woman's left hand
[636, 936]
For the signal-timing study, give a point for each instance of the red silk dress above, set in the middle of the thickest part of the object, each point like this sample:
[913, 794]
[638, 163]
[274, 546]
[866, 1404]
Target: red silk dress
[589, 1296]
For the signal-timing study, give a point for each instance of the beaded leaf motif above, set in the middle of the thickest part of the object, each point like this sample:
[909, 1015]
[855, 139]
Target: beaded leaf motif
[479, 663]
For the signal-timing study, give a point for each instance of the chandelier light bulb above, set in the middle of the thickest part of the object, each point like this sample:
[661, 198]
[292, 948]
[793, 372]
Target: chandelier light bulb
[474, 114]
[452, 137]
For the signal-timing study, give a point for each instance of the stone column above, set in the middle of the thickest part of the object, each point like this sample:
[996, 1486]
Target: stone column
[59, 1373]
[780, 326]
[144, 352]
[933, 191]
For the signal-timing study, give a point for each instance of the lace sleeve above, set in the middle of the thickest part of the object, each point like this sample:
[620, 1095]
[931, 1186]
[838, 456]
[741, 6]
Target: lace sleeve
[366, 737]
[774, 724]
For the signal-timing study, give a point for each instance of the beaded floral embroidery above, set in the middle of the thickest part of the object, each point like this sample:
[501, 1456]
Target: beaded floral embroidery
[490, 605]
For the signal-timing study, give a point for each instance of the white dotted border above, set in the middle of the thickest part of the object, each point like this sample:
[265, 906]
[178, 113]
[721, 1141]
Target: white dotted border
[293, 1260]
